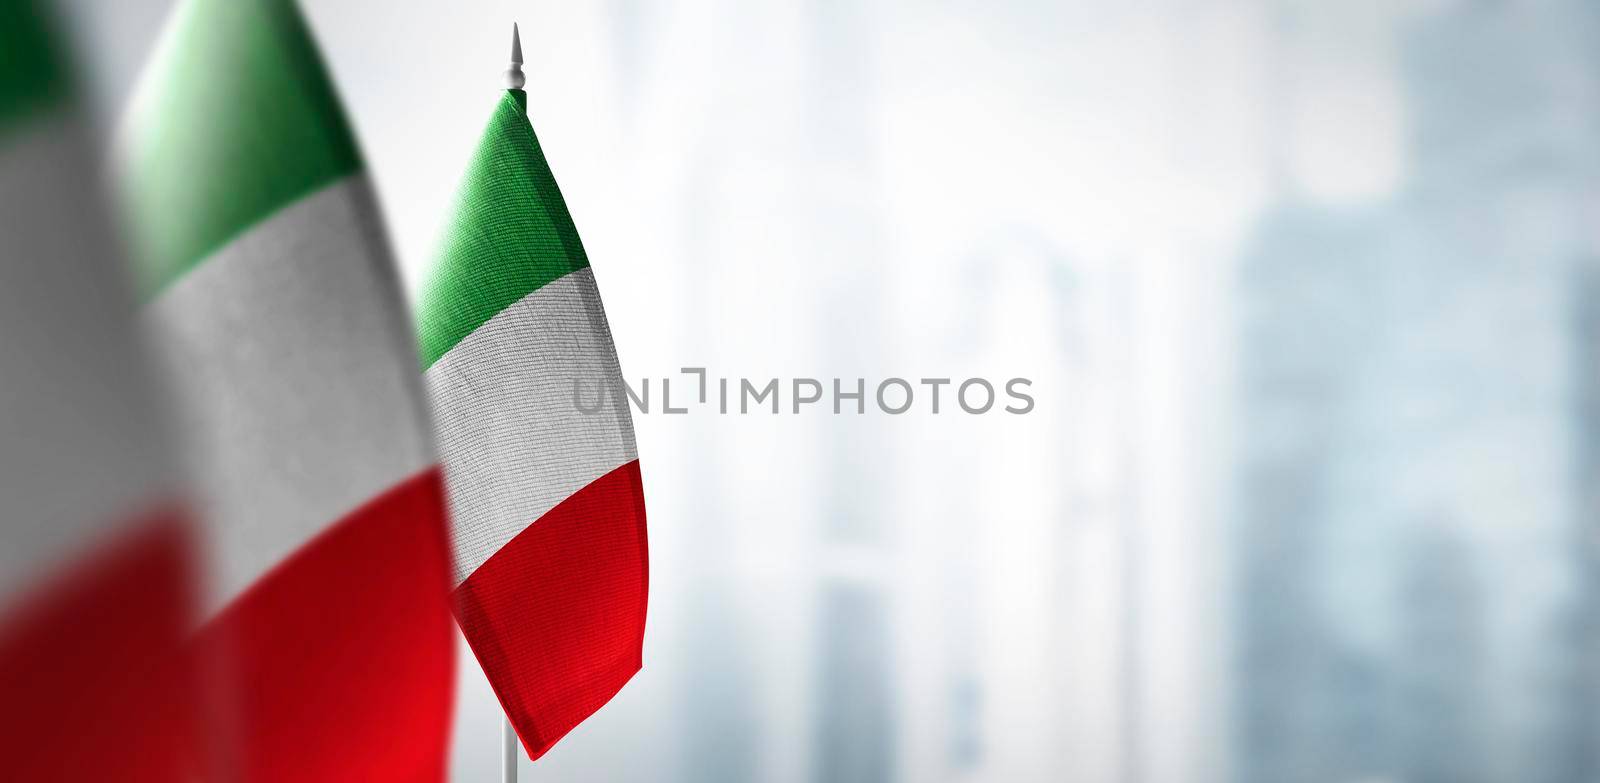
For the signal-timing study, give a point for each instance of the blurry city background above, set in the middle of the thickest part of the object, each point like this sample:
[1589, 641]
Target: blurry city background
[1310, 294]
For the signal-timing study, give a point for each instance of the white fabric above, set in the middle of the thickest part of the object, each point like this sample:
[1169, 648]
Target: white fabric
[296, 371]
[513, 438]
[81, 447]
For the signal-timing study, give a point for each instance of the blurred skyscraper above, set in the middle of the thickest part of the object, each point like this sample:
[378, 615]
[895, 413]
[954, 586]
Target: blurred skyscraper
[1305, 690]
[1416, 448]
[1033, 673]
[854, 718]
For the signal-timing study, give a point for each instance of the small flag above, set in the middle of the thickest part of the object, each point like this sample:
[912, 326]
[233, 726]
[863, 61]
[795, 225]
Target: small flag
[95, 571]
[274, 301]
[547, 507]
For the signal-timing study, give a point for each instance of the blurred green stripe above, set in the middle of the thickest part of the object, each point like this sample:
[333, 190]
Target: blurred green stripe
[33, 73]
[235, 120]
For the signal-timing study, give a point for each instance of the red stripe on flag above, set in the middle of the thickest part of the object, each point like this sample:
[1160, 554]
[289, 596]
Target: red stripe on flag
[93, 679]
[340, 660]
[556, 617]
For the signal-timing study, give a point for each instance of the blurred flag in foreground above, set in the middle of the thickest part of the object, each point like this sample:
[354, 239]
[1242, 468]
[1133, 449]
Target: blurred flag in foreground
[95, 580]
[275, 305]
[548, 521]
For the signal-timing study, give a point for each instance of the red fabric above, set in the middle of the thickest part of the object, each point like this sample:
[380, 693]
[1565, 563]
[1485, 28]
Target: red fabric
[556, 617]
[340, 662]
[93, 681]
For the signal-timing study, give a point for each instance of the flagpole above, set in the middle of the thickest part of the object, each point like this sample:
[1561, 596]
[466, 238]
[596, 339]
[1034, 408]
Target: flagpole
[508, 751]
[508, 735]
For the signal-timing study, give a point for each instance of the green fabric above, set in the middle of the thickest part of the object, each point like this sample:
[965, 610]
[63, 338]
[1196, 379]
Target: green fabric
[511, 234]
[33, 76]
[237, 119]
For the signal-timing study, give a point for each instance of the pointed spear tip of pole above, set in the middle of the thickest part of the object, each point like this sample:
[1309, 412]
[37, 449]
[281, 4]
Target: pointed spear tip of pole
[514, 76]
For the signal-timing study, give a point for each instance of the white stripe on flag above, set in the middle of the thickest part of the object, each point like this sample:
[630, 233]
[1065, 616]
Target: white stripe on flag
[80, 448]
[297, 379]
[512, 439]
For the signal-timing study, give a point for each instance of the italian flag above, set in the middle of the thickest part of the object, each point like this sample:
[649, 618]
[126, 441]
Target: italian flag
[95, 573]
[275, 306]
[550, 565]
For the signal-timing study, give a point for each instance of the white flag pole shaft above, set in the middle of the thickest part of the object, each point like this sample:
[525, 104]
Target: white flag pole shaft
[509, 743]
[508, 752]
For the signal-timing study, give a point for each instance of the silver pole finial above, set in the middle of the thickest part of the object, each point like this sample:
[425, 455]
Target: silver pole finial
[514, 77]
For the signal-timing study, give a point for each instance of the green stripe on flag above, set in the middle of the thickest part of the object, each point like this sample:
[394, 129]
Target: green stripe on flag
[510, 191]
[238, 119]
[33, 76]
